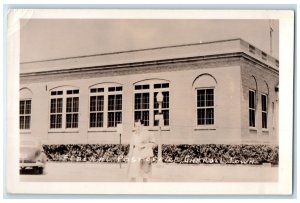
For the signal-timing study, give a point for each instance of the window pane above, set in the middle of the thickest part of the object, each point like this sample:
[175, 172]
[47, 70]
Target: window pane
[53, 106]
[22, 106]
[111, 118]
[92, 120]
[166, 117]
[118, 102]
[264, 120]
[145, 118]
[155, 103]
[100, 103]
[157, 86]
[165, 103]
[111, 89]
[93, 103]
[28, 107]
[145, 87]
[264, 103]
[69, 121]
[119, 88]
[75, 104]
[165, 85]
[210, 116]
[58, 121]
[145, 101]
[111, 102]
[27, 122]
[252, 118]
[137, 87]
[69, 104]
[99, 119]
[59, 105]
[201, 116]
[252, 99]
[52, 121]
[209, 97]
[201, 98]
[137, 101]
[22, 119]
[137, 116]
[118, 117]
[75, 120]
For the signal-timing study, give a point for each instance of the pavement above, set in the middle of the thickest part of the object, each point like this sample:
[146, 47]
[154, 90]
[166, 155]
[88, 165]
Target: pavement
[112, 172]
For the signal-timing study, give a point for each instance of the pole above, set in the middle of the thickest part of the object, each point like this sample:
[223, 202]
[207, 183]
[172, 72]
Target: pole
[271, 31]
[159, 147]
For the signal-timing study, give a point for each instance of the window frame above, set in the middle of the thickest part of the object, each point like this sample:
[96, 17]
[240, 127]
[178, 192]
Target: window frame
[25, 130]
[264, 112]
[205, 126]
[64, 112]
[255, 109]
[151, 91]
[106, 93]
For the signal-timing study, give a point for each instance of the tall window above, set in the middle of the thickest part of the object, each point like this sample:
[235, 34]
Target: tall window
[264, 110]
[145, 102]
[64, 116]
[252, 108]
[142, 103]
[105, 105]
[25, 114]
[205, 106]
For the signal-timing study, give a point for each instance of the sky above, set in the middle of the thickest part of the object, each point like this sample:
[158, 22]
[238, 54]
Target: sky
[43, 39]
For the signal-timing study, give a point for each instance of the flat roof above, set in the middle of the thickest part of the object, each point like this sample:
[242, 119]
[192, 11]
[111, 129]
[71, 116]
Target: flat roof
[151, 54]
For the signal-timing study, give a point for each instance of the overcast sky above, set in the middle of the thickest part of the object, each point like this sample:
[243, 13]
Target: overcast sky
[49, 39]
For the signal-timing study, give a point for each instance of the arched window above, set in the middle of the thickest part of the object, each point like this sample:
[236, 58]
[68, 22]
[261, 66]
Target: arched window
[252, 101]
[64, 107]
[105, 105]
[25, 109]
[204, 86]
[146, 103]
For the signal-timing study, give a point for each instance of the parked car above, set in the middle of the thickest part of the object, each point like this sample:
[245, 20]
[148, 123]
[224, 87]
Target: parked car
[32, 157]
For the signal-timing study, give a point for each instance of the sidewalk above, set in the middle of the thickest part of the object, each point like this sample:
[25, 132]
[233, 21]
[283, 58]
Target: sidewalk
[111, 172]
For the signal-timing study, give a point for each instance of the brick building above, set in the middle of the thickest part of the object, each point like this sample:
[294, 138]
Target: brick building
[215, 92]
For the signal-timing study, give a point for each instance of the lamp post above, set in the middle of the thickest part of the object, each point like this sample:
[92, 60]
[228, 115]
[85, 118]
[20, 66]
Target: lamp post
[159, 117]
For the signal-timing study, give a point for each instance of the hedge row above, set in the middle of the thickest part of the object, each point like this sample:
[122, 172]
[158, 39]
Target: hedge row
[220, 154]
[87, 152]
[182, 154]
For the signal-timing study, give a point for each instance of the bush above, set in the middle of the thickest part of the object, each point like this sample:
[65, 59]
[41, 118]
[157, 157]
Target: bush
[87, 152]
[220, 154]
[181, 154]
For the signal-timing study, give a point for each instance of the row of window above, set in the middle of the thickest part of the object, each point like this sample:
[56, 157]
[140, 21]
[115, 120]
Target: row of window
[105, 107]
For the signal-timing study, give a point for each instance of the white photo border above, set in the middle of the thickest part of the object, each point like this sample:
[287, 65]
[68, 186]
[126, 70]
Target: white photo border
[286, 54]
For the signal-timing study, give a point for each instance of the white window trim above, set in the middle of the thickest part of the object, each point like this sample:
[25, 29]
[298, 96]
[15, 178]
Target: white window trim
[26, 131]
[151, 91]
[203, 127]
[63, 129]
[253, 128]
[267, 112]
[105, 127]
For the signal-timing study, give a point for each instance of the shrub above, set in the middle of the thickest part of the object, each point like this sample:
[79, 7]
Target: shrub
[181, 154]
